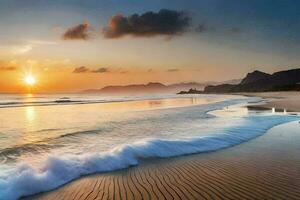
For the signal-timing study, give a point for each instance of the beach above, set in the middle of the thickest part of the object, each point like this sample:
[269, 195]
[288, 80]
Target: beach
[265, 167]
[288, 101]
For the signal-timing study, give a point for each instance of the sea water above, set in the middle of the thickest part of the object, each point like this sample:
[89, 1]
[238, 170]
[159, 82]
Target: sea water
[49, 140]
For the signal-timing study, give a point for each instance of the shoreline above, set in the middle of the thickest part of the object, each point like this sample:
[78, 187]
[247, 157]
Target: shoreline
[145, 174]
[210, 175]
[280, 101]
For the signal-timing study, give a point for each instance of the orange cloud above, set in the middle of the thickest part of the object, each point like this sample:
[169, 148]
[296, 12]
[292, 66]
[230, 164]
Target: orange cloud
[81, 69]
[84, 69]
[8, 66]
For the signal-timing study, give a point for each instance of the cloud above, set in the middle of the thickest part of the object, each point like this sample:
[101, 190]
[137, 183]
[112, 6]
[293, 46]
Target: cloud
[149, 24]
[78, 32]
[81, 69]
[8, 65]
[101, 70]
[19, 50]
[7, 68]
[203, 27]
[172, 70]
[124, 72]
[84, 69]
[42, 42]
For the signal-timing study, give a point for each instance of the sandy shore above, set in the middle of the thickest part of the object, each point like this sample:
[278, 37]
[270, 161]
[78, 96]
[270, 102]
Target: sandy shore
[267, 167]
[278, 100]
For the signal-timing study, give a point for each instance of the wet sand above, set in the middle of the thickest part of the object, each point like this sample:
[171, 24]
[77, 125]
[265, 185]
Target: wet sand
[267, 167]
[290, 101]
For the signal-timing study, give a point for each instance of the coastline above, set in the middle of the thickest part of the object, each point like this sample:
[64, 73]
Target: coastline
[201, 176]
[280, 101]
[250, 171]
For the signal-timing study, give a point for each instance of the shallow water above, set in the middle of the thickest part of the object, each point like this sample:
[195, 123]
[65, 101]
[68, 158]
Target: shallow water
[42, 147]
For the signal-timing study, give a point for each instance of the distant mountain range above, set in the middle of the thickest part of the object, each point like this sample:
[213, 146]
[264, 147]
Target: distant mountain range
[258, 81]
[255, 81]
[155, 87]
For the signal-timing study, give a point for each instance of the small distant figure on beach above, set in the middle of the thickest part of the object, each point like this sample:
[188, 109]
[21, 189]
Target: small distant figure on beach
[273, 110]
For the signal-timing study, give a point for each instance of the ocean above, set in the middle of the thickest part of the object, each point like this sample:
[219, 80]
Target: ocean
[49, 140]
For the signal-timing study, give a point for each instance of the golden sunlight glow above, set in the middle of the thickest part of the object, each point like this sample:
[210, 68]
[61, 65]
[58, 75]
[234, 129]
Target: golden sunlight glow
[30, 113]
[30, 80]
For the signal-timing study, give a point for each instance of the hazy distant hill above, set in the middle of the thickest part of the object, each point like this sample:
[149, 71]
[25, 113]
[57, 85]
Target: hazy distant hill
[156, 87]
[258, 81]
[150, 87]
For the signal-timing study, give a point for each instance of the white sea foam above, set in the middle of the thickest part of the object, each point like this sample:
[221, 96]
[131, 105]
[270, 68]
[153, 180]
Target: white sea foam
[59, 170]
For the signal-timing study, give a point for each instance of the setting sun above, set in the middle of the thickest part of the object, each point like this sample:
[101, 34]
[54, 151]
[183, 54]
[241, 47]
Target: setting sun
[30, 80]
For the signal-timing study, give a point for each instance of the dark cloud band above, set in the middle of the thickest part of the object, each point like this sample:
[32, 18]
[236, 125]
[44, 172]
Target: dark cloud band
[165, 22]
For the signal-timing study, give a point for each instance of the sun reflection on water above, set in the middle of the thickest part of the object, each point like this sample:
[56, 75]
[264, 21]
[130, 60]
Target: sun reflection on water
[29, 95]
[30, 113]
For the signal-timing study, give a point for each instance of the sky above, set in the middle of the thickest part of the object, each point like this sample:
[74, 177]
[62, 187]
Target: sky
[72, 45]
